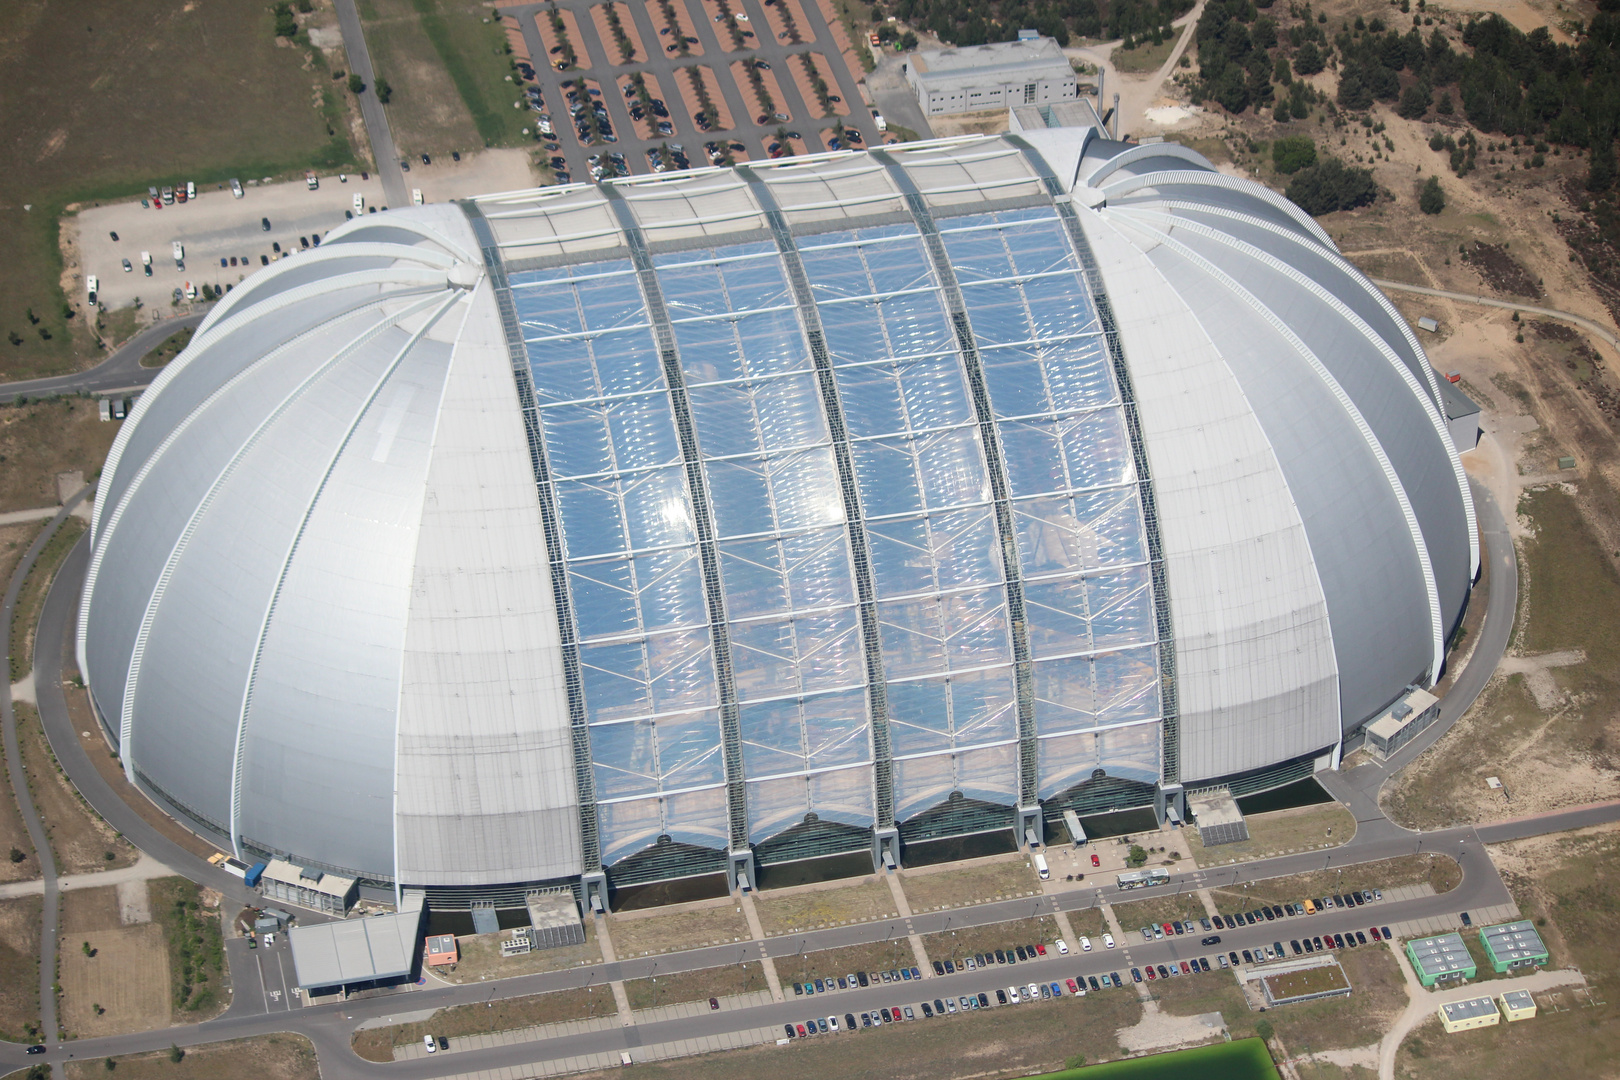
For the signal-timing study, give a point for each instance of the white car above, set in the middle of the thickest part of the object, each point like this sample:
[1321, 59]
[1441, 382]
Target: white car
[1012, 995]
[1034, 992]
[1108, 941]
[432, 1047]
[1085, 944]
[832, 1023]
[1062, 947]
[269, 940]
[236, 188]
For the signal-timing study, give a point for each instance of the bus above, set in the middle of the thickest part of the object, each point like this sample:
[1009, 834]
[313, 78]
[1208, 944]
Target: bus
[1136, 879]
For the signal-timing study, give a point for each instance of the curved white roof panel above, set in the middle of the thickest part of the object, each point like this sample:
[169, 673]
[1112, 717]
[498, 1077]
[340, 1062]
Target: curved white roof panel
[758, 509]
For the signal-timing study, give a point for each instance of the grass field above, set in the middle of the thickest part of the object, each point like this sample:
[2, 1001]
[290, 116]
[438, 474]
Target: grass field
[875, 956]
[694, 986]
[691, 929]
[121, 984]
[1556, 756]
[807, 909]
[971, 883]
[226, 101]
[971, 940]
[20, 921]
[197, 983]
[25, 616]
[43, 438]
[1440, 872]
[1145, 57]
[1280, 831]
[447, 63]
[267, 1057]
[169, 348]
[79, 839]
[377, 1044]
[481, 958]
[1135, 915]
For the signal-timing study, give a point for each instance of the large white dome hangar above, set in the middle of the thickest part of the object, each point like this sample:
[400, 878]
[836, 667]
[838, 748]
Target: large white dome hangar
[607, 535]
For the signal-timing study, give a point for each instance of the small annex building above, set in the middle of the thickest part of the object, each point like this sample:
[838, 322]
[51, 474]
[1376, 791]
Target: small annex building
[1403, 721]
[308, 887]
[1442, 958]
[442, 950]
[360, 953]
[1468, 1014]
[1518, 1005]
[999, 75]
[1509, 946]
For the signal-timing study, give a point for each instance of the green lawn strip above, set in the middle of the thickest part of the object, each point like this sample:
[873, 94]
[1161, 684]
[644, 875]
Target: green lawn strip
[474, 55]
[196, 947]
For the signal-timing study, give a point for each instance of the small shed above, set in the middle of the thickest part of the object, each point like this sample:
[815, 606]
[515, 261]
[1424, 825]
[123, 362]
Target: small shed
[1518, 1005]
[1468, 1014]
[442, 950]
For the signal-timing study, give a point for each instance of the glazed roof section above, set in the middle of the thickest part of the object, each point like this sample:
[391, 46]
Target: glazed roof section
[568, 224]
[783, 561]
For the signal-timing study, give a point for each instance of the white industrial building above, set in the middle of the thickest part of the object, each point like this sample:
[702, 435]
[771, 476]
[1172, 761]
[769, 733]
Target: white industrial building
[601, 535]
[1000, 75]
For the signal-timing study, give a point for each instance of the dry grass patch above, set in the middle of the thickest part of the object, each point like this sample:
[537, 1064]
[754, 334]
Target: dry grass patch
[1136, 914]
[1440, 872]
[695, 985]
[120, 986]
[972, 940]
[806, 909]
[1146, 57]
[25, 616]
[426, 113]
[876, 956]
[691, 929]
[267, 1057]
[20, 921]
[1298, 828]
[377, 1044]
[1088, 922]
[481, 958]
[999, 878]
[1006, 1042]
[81, 841]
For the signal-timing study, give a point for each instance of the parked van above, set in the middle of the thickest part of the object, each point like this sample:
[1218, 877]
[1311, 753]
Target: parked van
[179, 254]
[1040, 866]
[359, 202]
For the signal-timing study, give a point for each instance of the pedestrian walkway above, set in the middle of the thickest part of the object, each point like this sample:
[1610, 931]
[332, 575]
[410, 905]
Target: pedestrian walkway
[145, 869]
[903, 906]
[610, 957]
[462, 1043]
[757, 929]
[612, 1059]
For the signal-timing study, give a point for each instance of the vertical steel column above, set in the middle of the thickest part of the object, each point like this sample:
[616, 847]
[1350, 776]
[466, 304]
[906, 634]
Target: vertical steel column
[877, 691]
[1169, 704]
[562, 598]
[708, 549]
[995, 466]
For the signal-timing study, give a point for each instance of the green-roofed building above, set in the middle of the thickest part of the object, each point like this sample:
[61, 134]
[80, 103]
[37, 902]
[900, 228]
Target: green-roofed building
[1444, 957]
[1513, 945]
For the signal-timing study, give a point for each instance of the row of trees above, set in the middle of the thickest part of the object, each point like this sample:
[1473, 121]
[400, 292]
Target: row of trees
[963, 22]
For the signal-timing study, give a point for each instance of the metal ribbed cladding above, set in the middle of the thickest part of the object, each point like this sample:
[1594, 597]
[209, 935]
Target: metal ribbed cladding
[995, 466]
[1169, 704]
[579, 731]
[708, 550]
[877, 688]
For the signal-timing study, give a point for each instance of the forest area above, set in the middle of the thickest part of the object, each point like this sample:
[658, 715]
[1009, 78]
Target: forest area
[960, 22]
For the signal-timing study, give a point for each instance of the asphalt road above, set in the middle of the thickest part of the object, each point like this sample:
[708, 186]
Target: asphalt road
[120, 371]
[383, 151]
[676, 90]
[19, 782]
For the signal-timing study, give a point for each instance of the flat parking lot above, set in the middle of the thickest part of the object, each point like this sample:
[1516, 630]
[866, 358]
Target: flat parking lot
[217, 226]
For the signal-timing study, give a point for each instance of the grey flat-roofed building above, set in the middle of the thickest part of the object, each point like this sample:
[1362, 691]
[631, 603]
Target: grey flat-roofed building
[1405, 718]
[1000, 75]
[1444, 956]
[308, 886]
[356, 952]
[1513, 945]
[608, 534]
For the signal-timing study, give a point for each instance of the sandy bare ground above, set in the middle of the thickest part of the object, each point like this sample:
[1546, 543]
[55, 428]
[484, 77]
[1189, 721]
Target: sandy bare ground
[1160, 1030]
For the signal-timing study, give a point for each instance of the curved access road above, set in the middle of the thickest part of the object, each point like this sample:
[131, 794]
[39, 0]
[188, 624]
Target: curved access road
[18, 777]
[1358, 788]
[120, 371]
[1508, 305]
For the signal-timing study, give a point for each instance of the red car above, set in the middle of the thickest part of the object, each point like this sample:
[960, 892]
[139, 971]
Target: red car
[1150, 974]
[1185, 970]
[1073, 989]
[1169, 931]
[802, 1035]
[1040, 950]
[1375, 934]
[1094, 860]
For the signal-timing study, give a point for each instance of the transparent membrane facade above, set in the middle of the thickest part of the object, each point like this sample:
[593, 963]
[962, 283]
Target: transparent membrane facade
[1074, 489]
